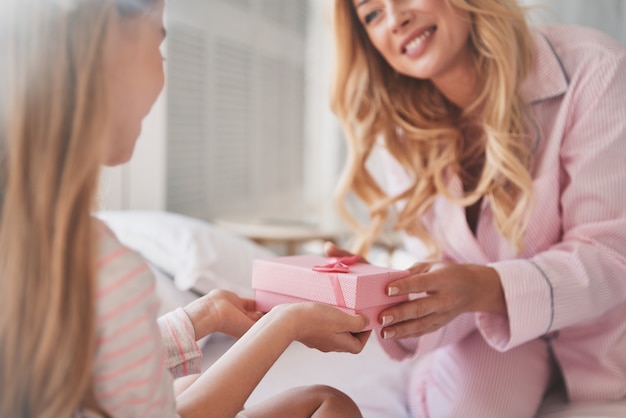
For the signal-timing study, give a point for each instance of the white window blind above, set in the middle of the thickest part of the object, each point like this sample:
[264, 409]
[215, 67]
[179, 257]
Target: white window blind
[235, 105]
[186, 177]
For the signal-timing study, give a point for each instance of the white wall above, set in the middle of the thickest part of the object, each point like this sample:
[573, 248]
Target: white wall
[324, 143]
[606, 15]
[236, 96]
[139, 183]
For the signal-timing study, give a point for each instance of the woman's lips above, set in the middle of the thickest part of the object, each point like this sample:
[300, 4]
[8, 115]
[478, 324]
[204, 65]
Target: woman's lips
[416, 42]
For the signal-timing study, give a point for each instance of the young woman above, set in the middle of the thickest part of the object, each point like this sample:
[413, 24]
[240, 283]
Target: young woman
[503, 147]
[78, 326]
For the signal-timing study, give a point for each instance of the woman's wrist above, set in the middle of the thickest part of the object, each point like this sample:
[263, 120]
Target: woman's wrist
[491, 294]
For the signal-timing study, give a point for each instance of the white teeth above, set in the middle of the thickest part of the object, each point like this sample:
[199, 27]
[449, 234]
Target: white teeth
[418, 41]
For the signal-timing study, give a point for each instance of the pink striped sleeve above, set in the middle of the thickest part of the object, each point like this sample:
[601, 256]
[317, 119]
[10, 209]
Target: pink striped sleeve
[182, 352]
[130, 367]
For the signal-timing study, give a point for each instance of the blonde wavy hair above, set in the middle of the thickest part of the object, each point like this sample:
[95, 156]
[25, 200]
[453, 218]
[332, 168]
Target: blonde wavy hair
[53, 134]
[422, 130]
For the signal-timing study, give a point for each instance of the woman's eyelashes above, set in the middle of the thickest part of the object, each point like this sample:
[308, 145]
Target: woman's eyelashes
[370, 16]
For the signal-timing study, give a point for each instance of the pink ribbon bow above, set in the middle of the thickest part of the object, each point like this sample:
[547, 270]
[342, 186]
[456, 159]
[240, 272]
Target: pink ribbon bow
[338, 264]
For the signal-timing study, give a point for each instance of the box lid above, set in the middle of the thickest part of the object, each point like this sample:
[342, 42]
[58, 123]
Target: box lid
[361, 287]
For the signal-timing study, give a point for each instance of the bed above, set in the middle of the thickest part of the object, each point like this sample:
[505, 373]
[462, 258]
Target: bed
[191, 256]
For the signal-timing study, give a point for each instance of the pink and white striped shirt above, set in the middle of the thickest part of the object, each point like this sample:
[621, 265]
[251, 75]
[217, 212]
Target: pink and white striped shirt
[570, 284]
[137, 356]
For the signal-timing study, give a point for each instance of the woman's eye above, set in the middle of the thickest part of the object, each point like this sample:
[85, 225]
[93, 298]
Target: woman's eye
[370, 16]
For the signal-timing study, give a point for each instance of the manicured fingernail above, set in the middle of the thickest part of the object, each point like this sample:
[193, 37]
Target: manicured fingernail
[387, 319]
[391, 291]
[387, 334]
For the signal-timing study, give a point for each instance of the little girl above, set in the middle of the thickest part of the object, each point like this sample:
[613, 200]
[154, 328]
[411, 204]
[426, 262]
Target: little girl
[78, 329]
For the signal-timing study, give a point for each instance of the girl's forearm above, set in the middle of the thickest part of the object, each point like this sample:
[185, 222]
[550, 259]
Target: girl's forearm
[223, 389]
[202, 316]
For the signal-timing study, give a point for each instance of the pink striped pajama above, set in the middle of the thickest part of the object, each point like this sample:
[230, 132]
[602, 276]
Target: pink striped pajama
[566, 295]
[137, 356]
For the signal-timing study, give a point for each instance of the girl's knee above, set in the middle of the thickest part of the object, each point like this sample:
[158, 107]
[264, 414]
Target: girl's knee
[332, 402]
[317, 401]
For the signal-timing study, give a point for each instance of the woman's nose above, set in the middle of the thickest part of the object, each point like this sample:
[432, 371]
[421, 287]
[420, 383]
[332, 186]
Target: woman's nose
[397, 15]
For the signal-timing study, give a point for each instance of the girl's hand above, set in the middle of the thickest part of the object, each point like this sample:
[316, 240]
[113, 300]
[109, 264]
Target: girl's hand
[222, 311]
[326, 327]
[448, 290]
[224, 388]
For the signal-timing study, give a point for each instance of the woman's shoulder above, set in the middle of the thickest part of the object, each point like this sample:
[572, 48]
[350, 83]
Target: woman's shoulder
[575, 56]
[581, 42]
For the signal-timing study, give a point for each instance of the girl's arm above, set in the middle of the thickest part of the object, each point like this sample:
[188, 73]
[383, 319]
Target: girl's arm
[223, 389]
[217, 311]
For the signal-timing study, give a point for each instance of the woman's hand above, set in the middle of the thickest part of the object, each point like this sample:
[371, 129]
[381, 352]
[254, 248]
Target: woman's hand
[325, 327]
[446, 291]
[332, 250]
[222, 311]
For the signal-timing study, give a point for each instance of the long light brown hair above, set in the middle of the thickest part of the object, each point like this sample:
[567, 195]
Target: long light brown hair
[424, 132]
[53, 134]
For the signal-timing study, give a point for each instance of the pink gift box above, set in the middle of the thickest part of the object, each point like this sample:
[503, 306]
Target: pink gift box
[292, 279]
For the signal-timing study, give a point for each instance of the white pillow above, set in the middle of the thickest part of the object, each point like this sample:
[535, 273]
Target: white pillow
[197, 254]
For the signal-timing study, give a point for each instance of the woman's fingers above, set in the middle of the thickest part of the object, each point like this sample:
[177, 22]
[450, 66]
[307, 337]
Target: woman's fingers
[331, 250]
[408, 311]
[421, 267]
[415, 283]
[439, 292]
[416, 327]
